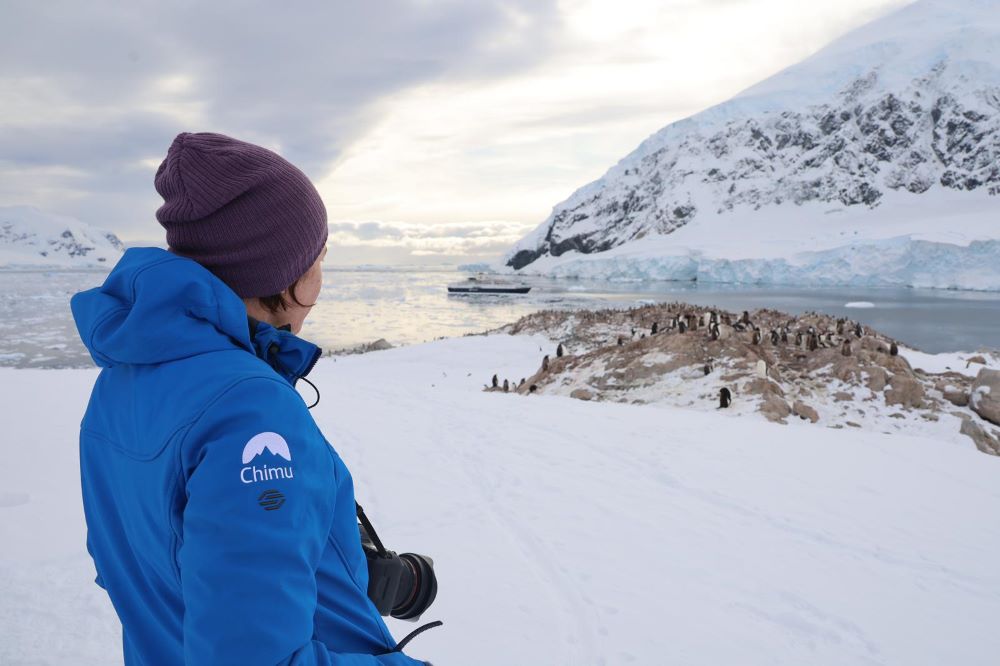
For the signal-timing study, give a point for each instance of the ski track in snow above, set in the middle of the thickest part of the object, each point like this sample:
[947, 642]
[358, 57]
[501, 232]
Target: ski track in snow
[567, 532]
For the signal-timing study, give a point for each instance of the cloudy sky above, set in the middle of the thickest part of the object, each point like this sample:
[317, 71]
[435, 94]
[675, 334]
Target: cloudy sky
[436, 130]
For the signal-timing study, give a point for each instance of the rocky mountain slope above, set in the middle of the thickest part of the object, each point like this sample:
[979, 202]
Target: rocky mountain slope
[907, 106]
[31, 238]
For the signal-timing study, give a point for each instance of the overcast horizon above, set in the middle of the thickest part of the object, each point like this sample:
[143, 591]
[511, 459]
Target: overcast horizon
[436, 131]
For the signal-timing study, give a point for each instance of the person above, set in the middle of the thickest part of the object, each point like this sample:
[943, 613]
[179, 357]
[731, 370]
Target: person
[221, 522]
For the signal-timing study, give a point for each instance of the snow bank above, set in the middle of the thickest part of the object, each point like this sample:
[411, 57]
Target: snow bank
[567, 532]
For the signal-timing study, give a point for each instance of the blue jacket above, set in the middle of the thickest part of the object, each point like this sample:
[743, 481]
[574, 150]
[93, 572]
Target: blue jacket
[221, 522]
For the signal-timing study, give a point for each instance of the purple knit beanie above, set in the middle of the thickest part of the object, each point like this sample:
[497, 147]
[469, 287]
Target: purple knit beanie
[241, 211]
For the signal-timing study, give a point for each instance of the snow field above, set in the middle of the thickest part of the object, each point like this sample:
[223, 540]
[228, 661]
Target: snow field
[568, 532]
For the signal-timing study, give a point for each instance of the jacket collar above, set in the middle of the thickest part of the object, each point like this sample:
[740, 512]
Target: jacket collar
[289, 355]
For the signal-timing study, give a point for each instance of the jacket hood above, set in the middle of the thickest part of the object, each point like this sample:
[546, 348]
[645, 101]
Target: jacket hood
[156, 307]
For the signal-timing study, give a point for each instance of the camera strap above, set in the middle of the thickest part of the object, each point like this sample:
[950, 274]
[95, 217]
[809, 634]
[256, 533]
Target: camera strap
[371, 530]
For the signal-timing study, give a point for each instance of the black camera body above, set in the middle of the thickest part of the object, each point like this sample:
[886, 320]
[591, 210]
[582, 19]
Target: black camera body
[402, 586]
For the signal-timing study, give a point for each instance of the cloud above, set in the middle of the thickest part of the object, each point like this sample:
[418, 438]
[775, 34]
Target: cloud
[423, 111]
[353, 242]
[99, 89]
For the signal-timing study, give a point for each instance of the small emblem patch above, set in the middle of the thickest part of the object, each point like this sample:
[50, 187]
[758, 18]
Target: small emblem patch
[266, 457]
[271, 500]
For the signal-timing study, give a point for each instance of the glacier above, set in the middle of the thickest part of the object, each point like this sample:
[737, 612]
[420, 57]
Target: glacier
[902, 262]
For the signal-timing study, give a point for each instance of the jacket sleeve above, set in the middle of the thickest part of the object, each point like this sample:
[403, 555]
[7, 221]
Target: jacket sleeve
[259, 502]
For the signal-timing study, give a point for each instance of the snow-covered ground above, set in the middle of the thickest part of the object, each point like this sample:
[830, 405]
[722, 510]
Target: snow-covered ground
[572, 532]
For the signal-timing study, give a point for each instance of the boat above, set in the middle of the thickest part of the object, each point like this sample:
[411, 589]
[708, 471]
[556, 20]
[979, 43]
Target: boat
[481, 285]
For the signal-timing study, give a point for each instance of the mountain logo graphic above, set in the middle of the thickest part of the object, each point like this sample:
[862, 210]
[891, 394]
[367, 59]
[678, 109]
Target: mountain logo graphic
[271, 441]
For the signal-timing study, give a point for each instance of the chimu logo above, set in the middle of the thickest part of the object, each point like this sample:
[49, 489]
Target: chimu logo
[277, 447]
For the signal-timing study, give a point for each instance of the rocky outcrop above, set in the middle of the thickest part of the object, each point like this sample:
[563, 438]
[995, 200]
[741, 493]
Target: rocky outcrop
[984, 441]
[775, 408]
[984, 397]
[614, 355]
[905, 391]
[804, 411]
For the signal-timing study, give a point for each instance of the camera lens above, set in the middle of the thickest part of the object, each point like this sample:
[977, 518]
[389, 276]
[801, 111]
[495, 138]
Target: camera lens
[417, 589]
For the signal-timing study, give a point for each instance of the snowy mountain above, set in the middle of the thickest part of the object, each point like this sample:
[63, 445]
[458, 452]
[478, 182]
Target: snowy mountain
[904, 110]
[32, 238]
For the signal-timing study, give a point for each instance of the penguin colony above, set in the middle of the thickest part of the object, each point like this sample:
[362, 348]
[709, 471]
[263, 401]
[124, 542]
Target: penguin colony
[790, 340]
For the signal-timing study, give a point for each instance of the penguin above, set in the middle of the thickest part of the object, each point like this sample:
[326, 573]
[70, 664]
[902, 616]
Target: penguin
[840, 326]
[559, 350]
[621, 341]
[633, 331]
[655, 329]
[813, 343]
[506, 386]
[642, 337]
[496, 381]
[859, 330]
[745, 319]
[845, 349]
[893, 349]
[545, 362]
[708, 368]
[532, 388]
[784, 336]
[713, 331]
[798, 338]
[725, 397]
[520, 383]
[714, 318]
[681, 326]
[756, 336]
[775, 337]
[674, 322]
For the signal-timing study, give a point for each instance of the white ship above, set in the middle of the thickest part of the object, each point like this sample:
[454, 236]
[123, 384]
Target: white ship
[483, 285]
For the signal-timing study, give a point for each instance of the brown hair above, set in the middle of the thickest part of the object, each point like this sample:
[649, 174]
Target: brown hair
[276, 301]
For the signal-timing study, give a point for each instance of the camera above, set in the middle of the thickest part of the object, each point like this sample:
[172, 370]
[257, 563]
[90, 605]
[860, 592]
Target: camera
[403, 586]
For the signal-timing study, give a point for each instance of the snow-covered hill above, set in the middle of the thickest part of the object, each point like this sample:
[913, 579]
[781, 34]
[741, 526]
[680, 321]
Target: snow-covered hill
[31, 238]
[901, 113]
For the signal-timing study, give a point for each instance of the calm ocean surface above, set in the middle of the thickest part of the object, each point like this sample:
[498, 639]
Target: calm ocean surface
[407, 306]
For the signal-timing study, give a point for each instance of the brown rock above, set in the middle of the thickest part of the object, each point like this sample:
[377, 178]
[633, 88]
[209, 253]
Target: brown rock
[975, 359]
[846, 369]
[905, 391]
[877, 378]
[765, 387]
[984, 396]
[581, 394]
[775, 408]
[842, 396]
[804, 411]
[955, 396]
[984, 441]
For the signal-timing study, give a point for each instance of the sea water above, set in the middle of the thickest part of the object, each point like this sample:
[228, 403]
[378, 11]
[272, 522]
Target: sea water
[411, 305]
